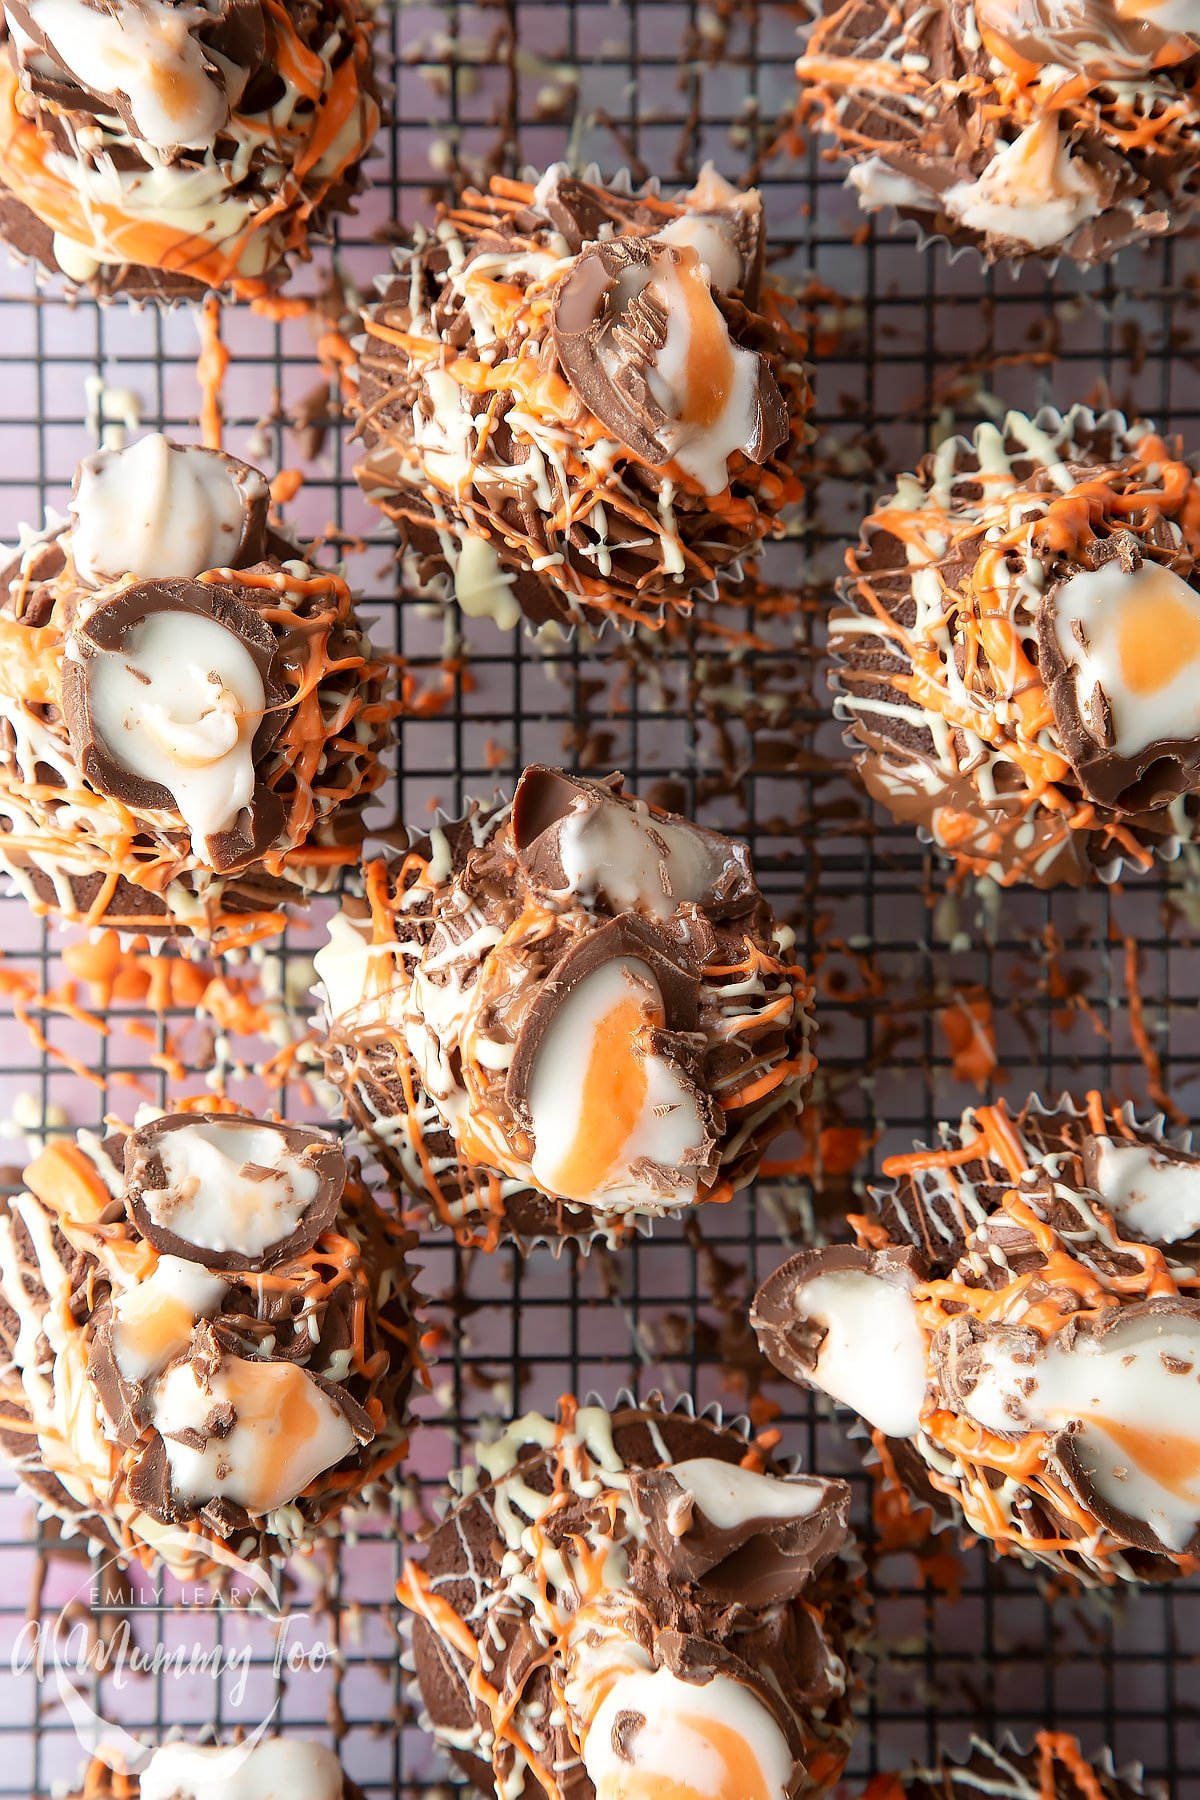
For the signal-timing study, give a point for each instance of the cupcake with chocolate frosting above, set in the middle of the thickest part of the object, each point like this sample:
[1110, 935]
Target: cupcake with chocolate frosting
[208, 1338]
[566, 1017]
[1016, 650]
[264, 1770]
[1022, 128]
[191, 719]
[579, 402]
[1019, 1325]
[1052, 1768]
[155, 150]
[621, 1600]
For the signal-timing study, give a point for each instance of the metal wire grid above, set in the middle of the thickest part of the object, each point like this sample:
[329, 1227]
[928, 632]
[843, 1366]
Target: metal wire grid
[906, 342]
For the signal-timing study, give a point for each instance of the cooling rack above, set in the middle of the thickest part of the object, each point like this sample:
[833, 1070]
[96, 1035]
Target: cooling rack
[923, 992]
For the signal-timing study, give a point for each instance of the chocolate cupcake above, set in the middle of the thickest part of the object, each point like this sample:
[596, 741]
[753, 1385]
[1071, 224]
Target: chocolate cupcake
[579, 402]
[1016, 650]
[621, 1599]
[191, 720]
[156, 151]
[1021, 128]
[566, 1017]
[1019, 1325]
[264, 1770]
[1053, 1768]
[208, 1341]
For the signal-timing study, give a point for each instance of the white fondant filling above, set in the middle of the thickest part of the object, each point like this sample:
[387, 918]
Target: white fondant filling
[179, 704]
[272, 1769]
[667, 1131]
[701, 450]
[1105, 603]
[215, 1202]
[729, 1495]
[287, 1432]
[145, 51]
[1032, 191]
[714, 1739]
[873, 1356]
[158, 510]
[354, 974]
[1139, 1436]
[640, 861]
[153, 1321]
[1160, 1200]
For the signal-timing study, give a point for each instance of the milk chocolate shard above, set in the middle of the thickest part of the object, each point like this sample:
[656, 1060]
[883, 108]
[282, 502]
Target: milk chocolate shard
[191, 707]
[567, 1017]
[1016, 649]
[736, 1534]
[1053, 1766]
[142, 139]
[597, 1558]
[262, 1769]
[650, 380]
[1018, 1321]
[1032, 158]
[231, 1316]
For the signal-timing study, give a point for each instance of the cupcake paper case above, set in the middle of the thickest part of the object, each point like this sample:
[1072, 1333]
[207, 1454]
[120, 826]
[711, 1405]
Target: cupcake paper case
[623, 1599]
[208, 1338]
[155, 151]
[581, 402]
[266, 1770]
[1019, 127]
[1019, 1325]
[1052, 1768]
[1015, 652]
[191, 718]
[566, 1017]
